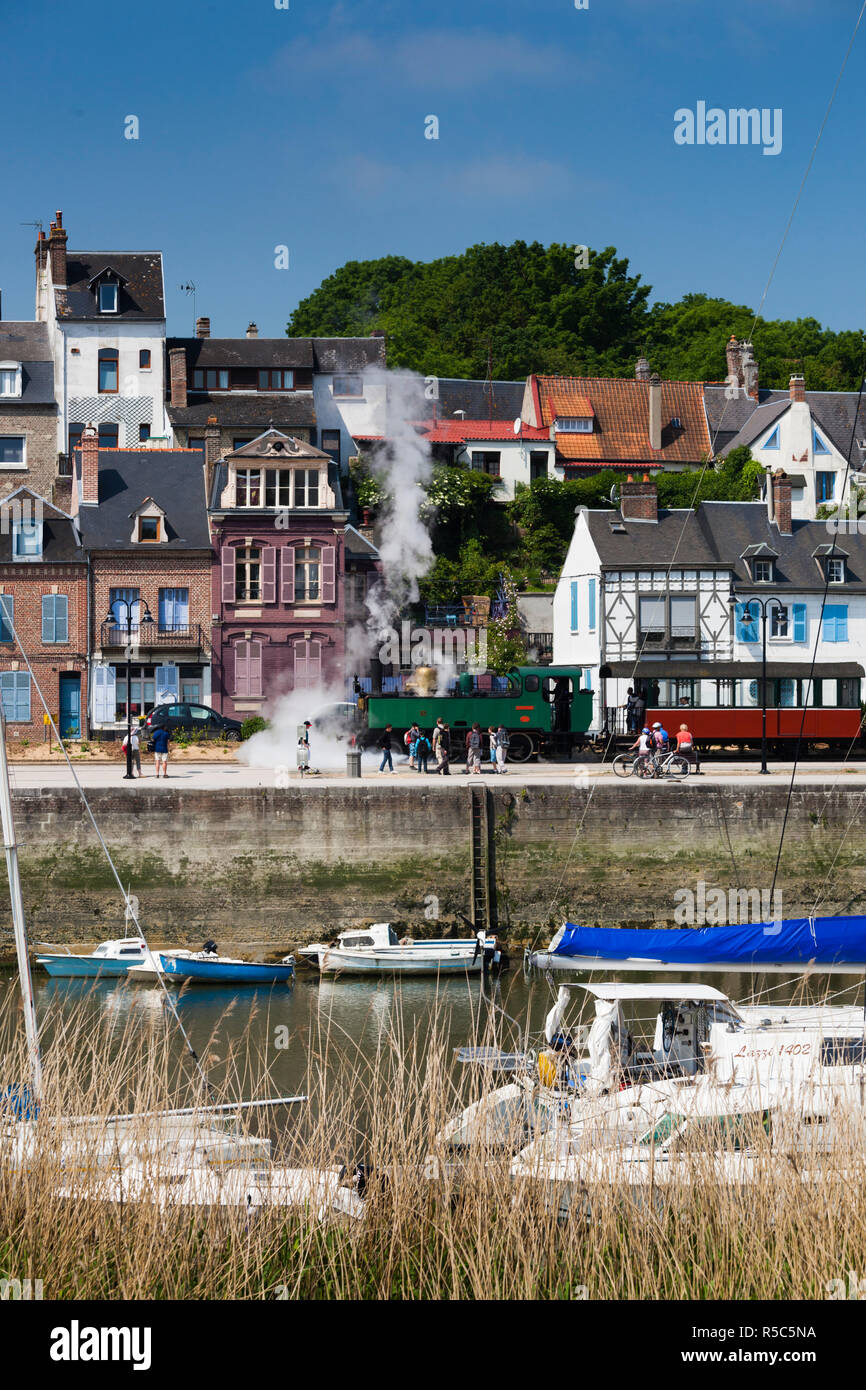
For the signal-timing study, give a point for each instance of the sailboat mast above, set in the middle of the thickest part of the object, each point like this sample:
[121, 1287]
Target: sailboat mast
[24, 975]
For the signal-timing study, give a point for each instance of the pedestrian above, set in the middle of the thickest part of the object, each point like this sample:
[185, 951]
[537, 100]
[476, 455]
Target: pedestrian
[422, 751]
[685, 746]
[161, 739]
[442, 748]
[135, 747]
[502, 742]
[491, 733]
[410, 738]
[473, 750]
[385, 748]
[639, 710]
[630, 715]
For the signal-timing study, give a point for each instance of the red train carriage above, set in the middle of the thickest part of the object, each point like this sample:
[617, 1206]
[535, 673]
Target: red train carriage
[836, 727]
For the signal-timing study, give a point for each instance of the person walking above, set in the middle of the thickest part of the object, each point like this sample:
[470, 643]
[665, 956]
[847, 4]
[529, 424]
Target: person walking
[161, 740]
[502, 742]
[385, 748]
[135, 747]
[410, 738]
[442, 748]
[422, 751]
[473, 750]
[491, 734]
[302, 754]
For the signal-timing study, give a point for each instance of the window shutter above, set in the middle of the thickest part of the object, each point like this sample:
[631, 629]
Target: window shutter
[329, 574]
[104, 701]
[48, 618]
[592, 605]
[255, 668]
[242, 668]
[842, 623]
[747, 632]
[287, 576]
[15, 686]
[835, 625]
[799, 610]
[574, 605]
[61, 618]
[228, 573]
[269, 574]
[308, 665]
[167, 685]
[7, 617]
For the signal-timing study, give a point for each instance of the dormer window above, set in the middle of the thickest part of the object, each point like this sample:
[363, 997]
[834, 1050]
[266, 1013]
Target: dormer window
[762, 571]
[835, 570]
[148, 523]
[108, 297]
[212, 379]
[27, 540]
[148, 528]
[574, 424]
[10, 379]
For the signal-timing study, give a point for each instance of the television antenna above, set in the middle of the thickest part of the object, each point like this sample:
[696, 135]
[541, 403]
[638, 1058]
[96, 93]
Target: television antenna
[189, 288]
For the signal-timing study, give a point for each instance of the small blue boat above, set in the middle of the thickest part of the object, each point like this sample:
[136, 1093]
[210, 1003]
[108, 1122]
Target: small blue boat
[208, 967]
[129, 956]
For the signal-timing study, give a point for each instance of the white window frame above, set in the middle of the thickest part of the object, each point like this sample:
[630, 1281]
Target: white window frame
[14, 369]
[108, 285]
[777, 614]
[18, 467]
[29, 528]
[347, 376]
[574, 424]
[835, 567]
[763, 578]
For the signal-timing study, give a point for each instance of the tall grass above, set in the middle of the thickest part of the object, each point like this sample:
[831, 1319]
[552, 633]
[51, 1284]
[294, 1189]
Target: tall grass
[470, 1235]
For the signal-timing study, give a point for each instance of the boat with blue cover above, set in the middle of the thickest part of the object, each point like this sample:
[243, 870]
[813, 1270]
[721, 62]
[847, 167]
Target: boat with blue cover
[827, 944]
[209, 967]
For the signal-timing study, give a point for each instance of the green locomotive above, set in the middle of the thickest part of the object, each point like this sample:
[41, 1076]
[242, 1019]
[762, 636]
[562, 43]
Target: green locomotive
[543, 709]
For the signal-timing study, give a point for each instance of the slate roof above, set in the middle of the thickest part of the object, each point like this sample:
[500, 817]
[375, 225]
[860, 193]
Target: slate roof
[172, 477]
[260, 449]
[481, 400]
[716, 535]
[620, 435]
[358, 545]
[61, 543]
[141, 294]
[316, 354]
[28, 344]
[285, 409]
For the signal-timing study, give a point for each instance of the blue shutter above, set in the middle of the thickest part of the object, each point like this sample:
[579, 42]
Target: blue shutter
[752, 631]
[15, 689]
[104, 695]
[574, 605]
[587, 678]
[55, 618]
[7, 617]
[835, 625]
[592, 605]
[799, 610]
[167, 685]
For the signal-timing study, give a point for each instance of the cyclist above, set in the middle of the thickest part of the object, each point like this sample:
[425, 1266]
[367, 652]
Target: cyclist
[643, 746]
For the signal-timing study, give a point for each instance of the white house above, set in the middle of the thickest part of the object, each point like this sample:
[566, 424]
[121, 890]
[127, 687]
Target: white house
[669, 603]
[105, 312]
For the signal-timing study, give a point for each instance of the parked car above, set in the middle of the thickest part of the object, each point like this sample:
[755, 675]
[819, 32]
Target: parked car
[338, 721]
[191, 718]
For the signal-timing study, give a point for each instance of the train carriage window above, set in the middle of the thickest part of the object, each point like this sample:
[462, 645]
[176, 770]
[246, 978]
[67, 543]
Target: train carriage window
[849, 693]
[531, 683]
[558, 691]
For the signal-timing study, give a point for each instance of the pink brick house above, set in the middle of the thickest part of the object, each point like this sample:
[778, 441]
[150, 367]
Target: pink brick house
[278, 529]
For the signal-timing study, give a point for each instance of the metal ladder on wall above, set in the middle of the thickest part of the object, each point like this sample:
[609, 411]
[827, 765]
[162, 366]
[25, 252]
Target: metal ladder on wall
[481, 861]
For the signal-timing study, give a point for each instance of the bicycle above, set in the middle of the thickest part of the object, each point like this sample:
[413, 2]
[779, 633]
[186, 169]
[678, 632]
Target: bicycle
[624, 764]
[660, 764]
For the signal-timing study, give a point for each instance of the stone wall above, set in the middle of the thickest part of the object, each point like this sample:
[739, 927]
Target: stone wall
[272, 869]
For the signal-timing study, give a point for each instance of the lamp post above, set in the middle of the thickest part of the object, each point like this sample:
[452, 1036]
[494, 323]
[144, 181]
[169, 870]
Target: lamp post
[746, 620]
[115, 620]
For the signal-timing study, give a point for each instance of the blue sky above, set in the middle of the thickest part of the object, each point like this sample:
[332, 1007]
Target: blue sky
[304, 127]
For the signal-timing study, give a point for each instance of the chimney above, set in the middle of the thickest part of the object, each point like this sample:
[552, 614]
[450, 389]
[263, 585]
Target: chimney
[797, 388]
[642, 370]
[57, 252]
[89, 492]
[211, 452]
[202, 328]
[252, 330]
[733, 352]
[177, 375]
[639, 501]
[749, 370]
[655, 411]
[780, 501]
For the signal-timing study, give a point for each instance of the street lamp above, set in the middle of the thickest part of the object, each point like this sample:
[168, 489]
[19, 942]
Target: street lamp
[116, 621]
[746, 620]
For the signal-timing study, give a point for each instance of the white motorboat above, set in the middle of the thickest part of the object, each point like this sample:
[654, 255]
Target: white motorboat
[126, 956]
[377, 950]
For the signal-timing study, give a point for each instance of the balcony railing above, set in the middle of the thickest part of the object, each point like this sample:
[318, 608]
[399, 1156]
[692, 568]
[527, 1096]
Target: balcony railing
[151, 635]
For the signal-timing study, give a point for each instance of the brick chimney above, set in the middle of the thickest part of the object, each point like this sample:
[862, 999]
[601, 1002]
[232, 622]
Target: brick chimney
[252, 330]
[641, 369]
[57, 252]
[177, 375]
[639, 501]
[749, 381]
[779, 497]
[655, 411]
[797, 388]
[211, 451]
[89, 492]
[735, 366]
[202, 328]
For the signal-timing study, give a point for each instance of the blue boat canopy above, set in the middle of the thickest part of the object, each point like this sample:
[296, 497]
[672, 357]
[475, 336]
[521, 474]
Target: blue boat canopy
[796, 942]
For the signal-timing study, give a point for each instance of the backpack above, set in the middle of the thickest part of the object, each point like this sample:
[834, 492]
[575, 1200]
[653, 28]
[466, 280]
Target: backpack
[502, 739]
[473, 739]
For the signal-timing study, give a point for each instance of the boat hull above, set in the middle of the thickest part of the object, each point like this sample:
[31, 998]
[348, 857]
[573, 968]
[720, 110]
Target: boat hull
[225, 972]
[77, 967]
[398, 960]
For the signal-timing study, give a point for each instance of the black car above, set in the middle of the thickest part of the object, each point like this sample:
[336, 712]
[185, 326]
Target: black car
[190, 718]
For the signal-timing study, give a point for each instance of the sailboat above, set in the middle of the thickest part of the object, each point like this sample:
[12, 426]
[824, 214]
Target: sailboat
[188, 1156]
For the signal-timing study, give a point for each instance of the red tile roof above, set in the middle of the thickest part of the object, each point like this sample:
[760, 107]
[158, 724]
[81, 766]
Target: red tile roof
[470, 431]
[620, 434]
